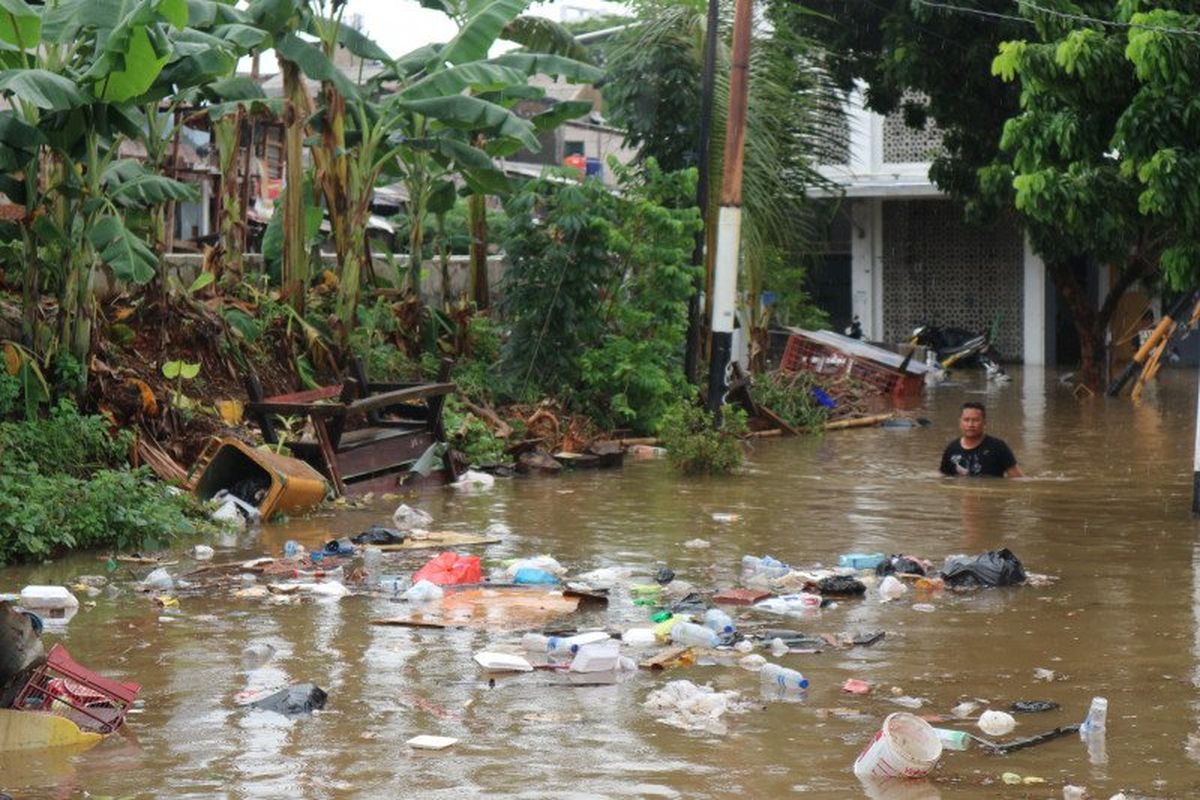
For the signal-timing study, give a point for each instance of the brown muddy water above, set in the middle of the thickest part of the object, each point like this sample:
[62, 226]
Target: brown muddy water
[1106, 510]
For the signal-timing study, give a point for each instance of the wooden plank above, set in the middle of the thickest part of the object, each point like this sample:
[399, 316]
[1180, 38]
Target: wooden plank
[399, 396]
[663, 658]
[385, 455]
[329, 456]
[857, 422]
[308, 395]
[439, 539]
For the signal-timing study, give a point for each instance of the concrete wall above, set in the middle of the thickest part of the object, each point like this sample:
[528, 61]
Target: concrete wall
[186, 266]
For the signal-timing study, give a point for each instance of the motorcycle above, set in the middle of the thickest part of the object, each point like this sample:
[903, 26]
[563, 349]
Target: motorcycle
[959, 347]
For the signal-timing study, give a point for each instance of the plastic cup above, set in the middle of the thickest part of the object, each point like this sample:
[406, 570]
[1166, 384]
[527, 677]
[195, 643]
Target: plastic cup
[906, 746]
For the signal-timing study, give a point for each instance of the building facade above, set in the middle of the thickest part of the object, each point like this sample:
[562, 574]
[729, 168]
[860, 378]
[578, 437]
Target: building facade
[903, 255]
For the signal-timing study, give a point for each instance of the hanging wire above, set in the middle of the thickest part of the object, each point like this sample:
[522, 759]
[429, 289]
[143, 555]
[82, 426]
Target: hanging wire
[1061, 14]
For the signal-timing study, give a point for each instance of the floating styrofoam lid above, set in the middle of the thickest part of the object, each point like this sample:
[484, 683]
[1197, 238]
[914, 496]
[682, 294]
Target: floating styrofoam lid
[590, 637]
[427, 742]
[503, 662]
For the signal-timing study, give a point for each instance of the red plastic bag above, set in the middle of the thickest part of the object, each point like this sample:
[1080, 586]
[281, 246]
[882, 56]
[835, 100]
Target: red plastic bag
[450, 569]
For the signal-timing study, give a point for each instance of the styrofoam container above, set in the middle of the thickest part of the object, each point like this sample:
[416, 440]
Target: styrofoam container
[906, 746]
[502, 662]
[51, 603]
[597, 657]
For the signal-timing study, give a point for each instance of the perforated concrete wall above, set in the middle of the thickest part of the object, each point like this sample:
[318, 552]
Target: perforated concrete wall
[940, 270]
[903, 144]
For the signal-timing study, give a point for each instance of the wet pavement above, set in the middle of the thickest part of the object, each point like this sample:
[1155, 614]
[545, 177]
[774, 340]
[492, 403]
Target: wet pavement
[1105, 509]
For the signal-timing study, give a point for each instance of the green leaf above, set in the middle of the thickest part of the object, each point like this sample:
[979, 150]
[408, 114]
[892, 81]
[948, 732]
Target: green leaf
[481, 31]
[553, 65]
[203, 279]
[272, 16]
[42, 88]
[171, 369]
[187, 370]
[314, 63]
[542, 35]
[360, 44]
[235, 88]
[20, 25]
[243, 37]
[479, 76]
[442, 198]
[559, 113]
[487, 181]
[19, 142]
[131, 184]
[128, 256]
[173, 11]
[471, 113]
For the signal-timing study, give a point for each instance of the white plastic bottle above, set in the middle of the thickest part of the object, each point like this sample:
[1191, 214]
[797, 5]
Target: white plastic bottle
[1097, 718]
[693, 635]
[552, 645]
[783, 677]
[718, 620]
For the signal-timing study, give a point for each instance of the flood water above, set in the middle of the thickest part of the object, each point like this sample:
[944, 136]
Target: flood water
[1105, 510]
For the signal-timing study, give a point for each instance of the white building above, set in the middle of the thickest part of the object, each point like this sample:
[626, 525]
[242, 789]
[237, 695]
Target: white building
[912, 259]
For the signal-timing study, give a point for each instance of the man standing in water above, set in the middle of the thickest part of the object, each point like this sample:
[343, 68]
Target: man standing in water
[975, 454]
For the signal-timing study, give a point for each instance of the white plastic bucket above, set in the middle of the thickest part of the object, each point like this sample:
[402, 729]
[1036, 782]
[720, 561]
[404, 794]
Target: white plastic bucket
[906, 746]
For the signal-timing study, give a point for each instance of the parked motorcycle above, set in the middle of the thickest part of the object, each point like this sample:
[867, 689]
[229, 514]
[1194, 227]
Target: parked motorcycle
[959, 347]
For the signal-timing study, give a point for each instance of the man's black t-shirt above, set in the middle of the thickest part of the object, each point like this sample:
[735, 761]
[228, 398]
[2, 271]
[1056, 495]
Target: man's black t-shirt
[991, 457]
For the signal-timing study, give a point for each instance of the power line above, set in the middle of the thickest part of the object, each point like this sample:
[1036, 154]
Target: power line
[1061, 14]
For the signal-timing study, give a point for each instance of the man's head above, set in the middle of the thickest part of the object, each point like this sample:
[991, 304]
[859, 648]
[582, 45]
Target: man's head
[971, 420]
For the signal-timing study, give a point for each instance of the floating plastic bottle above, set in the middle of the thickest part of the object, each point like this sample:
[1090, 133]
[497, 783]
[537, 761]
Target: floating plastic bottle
[553, 645]
[717, 620]
[763, 569]
[691, 634]
[773, 674]
[372, 561]
[952, 739]
[1097, 718]
[291, 548]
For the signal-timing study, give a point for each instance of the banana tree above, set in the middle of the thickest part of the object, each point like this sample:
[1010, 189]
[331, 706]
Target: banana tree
[73, 73]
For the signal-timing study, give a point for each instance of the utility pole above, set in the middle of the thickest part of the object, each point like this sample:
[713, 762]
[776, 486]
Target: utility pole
[712, 33]
[729, 221]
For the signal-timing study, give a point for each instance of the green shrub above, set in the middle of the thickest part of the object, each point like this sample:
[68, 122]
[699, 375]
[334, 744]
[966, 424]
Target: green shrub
[695, 447]
[65, 442]
[790, 395]
[470, 435]
[66, 484]
[43, 515]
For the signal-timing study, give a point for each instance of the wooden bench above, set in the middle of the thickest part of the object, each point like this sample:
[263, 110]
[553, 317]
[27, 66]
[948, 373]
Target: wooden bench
[363, 431]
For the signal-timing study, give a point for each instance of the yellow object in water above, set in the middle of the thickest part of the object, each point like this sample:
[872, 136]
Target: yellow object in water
[38, 730]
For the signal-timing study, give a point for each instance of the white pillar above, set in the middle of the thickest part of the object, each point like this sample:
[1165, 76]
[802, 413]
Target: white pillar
[876, 331]
[862, 265]
[1034, 309]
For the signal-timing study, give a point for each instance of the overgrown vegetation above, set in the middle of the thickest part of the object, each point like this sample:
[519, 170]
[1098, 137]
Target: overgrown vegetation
[66, 483]
[795, 396]
[695, 446]
[596, 294]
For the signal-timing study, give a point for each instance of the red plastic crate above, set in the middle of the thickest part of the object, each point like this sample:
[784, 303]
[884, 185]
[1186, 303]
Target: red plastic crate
[62, 686]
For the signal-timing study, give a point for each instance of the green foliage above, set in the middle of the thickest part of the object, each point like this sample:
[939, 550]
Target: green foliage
[557, 244]
[696, 447]
[597, 291]
[637, 371]
[376, 340]
[65, 442]
[66, 484]
[476, 373]
[790, 395]
[42, 515]
[471, 435]
[786, 276]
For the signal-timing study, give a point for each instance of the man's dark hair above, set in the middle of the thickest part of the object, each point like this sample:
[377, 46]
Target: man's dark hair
[977, 406]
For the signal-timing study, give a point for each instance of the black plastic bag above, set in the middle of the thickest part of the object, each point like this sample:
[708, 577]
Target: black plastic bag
[841, 585]
[299, 698]
[993, 568]
[902, 564]
[377, 534]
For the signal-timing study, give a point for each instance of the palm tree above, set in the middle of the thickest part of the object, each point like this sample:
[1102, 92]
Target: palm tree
[794, 123]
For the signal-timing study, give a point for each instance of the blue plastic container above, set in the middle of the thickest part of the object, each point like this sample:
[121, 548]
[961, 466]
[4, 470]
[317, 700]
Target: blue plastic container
[533, 576]
[861, 560]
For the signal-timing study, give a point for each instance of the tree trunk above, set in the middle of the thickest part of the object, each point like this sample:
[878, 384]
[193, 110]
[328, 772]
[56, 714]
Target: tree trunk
[295, 259]
[477, 214]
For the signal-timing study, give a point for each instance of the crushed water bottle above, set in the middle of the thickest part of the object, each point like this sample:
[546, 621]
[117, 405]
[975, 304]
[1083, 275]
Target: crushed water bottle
[775, 675]
[693, 635]
[551, 645]
[719, 621]
[762, 570]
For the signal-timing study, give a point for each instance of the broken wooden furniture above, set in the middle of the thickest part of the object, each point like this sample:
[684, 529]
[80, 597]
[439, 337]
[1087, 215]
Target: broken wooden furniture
[365, 435]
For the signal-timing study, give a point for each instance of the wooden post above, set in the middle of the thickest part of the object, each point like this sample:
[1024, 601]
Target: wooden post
[729, 221]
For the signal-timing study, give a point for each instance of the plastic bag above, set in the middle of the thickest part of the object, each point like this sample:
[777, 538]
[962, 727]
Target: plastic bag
[377, 534]
[903, 564]
[423, 592]
[448, 569]
[993, 568]
[406, 518]
[841, 585]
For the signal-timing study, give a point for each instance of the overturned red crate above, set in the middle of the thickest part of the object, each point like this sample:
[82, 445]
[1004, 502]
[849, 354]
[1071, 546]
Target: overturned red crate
[835, 356]
[62, 686]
